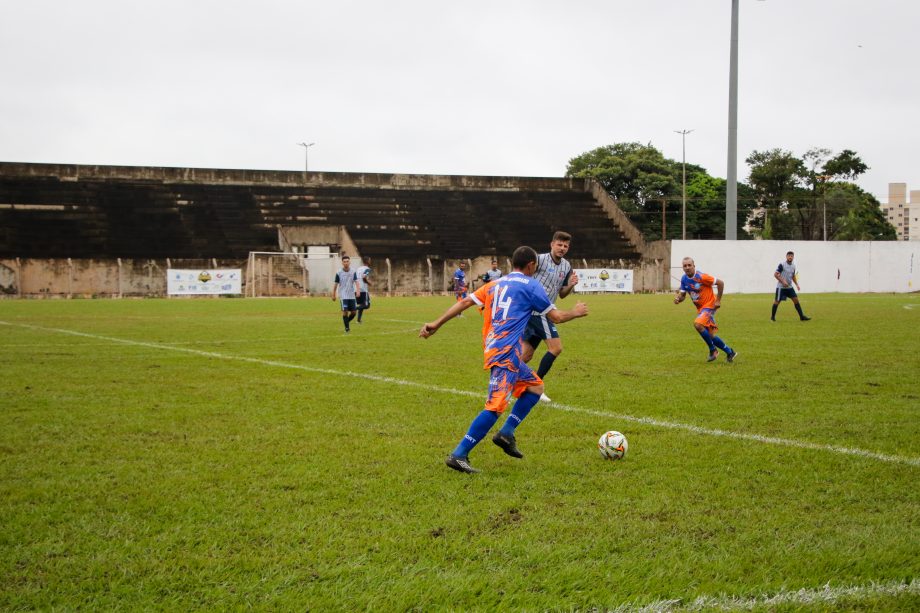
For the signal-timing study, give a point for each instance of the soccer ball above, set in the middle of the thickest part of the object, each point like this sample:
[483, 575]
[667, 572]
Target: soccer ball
[612, 445]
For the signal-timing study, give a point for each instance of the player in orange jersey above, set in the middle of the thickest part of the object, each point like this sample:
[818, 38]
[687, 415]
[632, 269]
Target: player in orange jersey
[699, 286]
[507, 305]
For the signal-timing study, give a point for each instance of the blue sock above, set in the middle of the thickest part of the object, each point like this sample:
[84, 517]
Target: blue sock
[520, 411]
[718, 342]
[708, 339]
[478, 429]
[545, 364]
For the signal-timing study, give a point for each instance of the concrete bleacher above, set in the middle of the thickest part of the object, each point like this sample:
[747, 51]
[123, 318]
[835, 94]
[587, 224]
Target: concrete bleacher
[69, 211]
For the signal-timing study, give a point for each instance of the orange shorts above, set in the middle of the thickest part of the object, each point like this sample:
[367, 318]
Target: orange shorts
[707, 319]
[506, 384]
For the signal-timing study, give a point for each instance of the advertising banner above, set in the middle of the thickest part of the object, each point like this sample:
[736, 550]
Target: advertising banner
[604, 280]
[203, 282]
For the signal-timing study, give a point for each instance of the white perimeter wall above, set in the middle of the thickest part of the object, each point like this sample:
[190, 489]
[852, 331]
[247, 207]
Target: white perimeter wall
[747, 267]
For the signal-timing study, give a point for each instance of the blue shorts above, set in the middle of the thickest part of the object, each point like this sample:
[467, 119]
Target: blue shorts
[348, 304]
[363, 301]
[539, 328]
[784, 292]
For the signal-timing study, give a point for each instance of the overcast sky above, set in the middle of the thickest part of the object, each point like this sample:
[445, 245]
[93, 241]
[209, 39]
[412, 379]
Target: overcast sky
[472, 88]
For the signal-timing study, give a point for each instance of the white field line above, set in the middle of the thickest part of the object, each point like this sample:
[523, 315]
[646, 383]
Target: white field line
[823, 596]
[770, 440]
[225, 341]
[404, 321]
[759, 438]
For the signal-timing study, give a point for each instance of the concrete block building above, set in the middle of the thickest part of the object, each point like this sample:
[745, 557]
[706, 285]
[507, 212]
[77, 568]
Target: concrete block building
[904, 215]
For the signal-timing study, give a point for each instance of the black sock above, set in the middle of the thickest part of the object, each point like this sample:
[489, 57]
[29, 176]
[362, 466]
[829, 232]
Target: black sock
[545, 364]
[798, 307]
[773, 316]
[360, 313]
[345, 321]
[352, 316]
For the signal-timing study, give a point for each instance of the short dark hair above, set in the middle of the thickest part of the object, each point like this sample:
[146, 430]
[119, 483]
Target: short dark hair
[523, 256]
[345, 257]
[789, 253]
[562, 236]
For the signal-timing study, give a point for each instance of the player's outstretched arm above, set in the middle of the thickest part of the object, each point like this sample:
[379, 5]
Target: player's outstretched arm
[458, 307]
[559, 317]
[679, 296]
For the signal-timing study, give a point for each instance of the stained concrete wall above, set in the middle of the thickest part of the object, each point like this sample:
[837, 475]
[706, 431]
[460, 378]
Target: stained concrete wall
[66, 278]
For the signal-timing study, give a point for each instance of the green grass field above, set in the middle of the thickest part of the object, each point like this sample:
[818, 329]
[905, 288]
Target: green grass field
[237, 453]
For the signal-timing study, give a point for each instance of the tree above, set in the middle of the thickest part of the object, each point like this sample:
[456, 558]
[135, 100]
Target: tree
[643, 180]
[794, 193]
[632, 172]
[857, 215]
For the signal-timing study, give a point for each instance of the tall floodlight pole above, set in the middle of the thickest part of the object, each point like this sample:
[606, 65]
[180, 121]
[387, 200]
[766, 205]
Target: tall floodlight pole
[306, 153]
[683, 207]
[731, 187]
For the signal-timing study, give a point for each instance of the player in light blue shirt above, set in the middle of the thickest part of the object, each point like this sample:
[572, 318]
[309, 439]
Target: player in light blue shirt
[785, 275]
[363, 298]
[557, 277]
[493, 273]
[347, 286]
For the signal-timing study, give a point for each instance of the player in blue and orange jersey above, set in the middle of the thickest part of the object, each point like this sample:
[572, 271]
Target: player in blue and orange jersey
[459, 282]
[699, 286]
[506, 306]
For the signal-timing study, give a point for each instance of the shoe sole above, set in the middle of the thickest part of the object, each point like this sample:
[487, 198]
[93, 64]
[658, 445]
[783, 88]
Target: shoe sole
[514, 453]
[461, 466]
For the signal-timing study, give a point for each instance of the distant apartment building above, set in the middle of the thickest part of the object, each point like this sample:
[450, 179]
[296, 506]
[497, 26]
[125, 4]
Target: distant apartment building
[903, 215]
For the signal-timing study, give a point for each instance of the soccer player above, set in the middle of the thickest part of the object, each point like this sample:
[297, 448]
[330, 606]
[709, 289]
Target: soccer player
[493, 273]
[699, 286]
[347, 286]
[558, 279]
[507, 305]
[363, 298]
[785, 276]
[459, 281]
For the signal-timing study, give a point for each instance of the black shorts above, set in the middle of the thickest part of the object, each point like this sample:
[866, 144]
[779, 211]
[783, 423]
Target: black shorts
[348, 304]
[363, 301]
[784, 292]
[539, 328]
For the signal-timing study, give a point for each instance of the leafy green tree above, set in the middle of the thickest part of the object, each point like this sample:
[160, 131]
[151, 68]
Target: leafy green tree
[856, 215]
[706, 206]
[795, 193]
[632, 172]
[643, 180]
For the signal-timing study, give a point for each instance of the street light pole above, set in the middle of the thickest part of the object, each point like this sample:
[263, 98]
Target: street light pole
[306, 152]
[823, 184]
[683, 208]
[731, 187]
